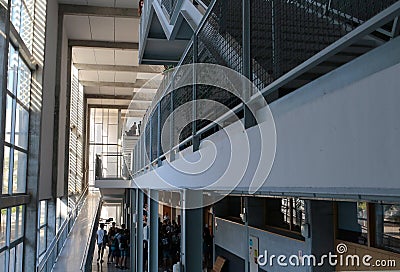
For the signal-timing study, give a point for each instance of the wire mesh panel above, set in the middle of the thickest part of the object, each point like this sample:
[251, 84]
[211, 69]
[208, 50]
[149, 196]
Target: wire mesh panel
[221, 36]
[284, 34]
[358, 10]
[146, 146]
[165, 110]
[154, 134]
[261, 43]
[181, 96]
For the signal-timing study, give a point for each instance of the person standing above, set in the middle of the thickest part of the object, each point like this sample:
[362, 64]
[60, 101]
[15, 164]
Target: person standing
[100, 238]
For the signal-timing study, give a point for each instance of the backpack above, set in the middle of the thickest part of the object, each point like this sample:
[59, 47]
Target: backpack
[165, 241]
[114, 242]
[123, 243]
[105, 238]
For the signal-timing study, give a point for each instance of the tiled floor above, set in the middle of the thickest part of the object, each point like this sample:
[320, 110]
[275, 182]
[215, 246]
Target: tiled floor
[71, 256]
[104, 266]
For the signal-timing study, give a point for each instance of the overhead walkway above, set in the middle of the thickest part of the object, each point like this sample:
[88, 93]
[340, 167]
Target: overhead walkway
[72, 256]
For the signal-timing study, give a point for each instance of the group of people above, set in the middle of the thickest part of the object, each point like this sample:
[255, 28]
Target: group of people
[169, 242]
[117, 241]
[135, 129]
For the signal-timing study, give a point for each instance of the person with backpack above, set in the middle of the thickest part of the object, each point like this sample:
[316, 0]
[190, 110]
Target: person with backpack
[115, 248]
[123, 248]
[111, 234]
[101, 237]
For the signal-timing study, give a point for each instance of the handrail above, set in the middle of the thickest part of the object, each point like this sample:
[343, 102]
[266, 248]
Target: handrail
[86, 251]
[54, 242]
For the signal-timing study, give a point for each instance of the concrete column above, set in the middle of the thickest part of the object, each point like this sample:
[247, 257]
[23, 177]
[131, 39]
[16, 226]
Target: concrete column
[192, 230]
[322, 225]
[4, 28]
[139, 267]
[133, 226]
[35, 119]
[153, 243]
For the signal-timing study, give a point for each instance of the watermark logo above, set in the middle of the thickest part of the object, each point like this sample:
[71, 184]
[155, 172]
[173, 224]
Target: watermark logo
[338, 258]
[341, 248]
[223, 161]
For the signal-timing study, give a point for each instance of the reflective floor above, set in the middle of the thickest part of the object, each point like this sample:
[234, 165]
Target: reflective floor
[97, 266]
[72, 254]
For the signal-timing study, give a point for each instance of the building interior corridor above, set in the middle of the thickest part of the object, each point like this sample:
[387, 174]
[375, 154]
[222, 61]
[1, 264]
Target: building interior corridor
[199, 135]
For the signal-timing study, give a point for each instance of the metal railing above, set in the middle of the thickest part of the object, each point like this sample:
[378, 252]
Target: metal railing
[86, 264]
[57, 244]
[109, 166]
[286, 40]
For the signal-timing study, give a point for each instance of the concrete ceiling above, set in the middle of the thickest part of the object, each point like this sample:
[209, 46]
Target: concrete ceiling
[103, 3]
[105, 52]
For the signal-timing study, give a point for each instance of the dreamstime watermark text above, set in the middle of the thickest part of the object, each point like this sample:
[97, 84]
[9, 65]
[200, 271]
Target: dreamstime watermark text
[333, 259]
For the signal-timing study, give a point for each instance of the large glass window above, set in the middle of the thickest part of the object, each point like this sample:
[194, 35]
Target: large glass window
[22, 19]
[17, 218]
[105, 147]
[388, 227]
[11, 238]
[3, 228]
[352, 222]
[42, 228]
[17, 121]
[285, 214]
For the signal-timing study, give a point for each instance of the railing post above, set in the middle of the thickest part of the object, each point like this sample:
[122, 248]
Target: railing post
[196, 138]
[159, 162]
[171, 128]
[150, 122]
[249, 119]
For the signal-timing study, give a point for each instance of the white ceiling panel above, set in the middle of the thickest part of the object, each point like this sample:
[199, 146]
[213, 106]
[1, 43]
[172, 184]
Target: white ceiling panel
[88, 75]
[126, 30]
[145, 90]
[107, 90]
[127, 3]
[101, 3]
[123, 91]
[148, 76]
[102, 28]
[92, 89]
[77, 27]
[73, 2]
[126, 57]
[125, 77]
[107, 76]
[104, 56]
[83, 55]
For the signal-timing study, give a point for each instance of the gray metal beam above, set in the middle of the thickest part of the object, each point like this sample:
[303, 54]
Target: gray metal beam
[109, 96]
[120, 68]
[103, 44]
[192, 230]
[396, 28]
[13, 200]
[106, 106]
[153, 247]
[140, 83]
[98, 11]
[139, 263]
[132, 233]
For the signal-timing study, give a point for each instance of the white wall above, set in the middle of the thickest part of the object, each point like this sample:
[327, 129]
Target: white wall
[46, 145]
[62, 115]
[232, 237]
